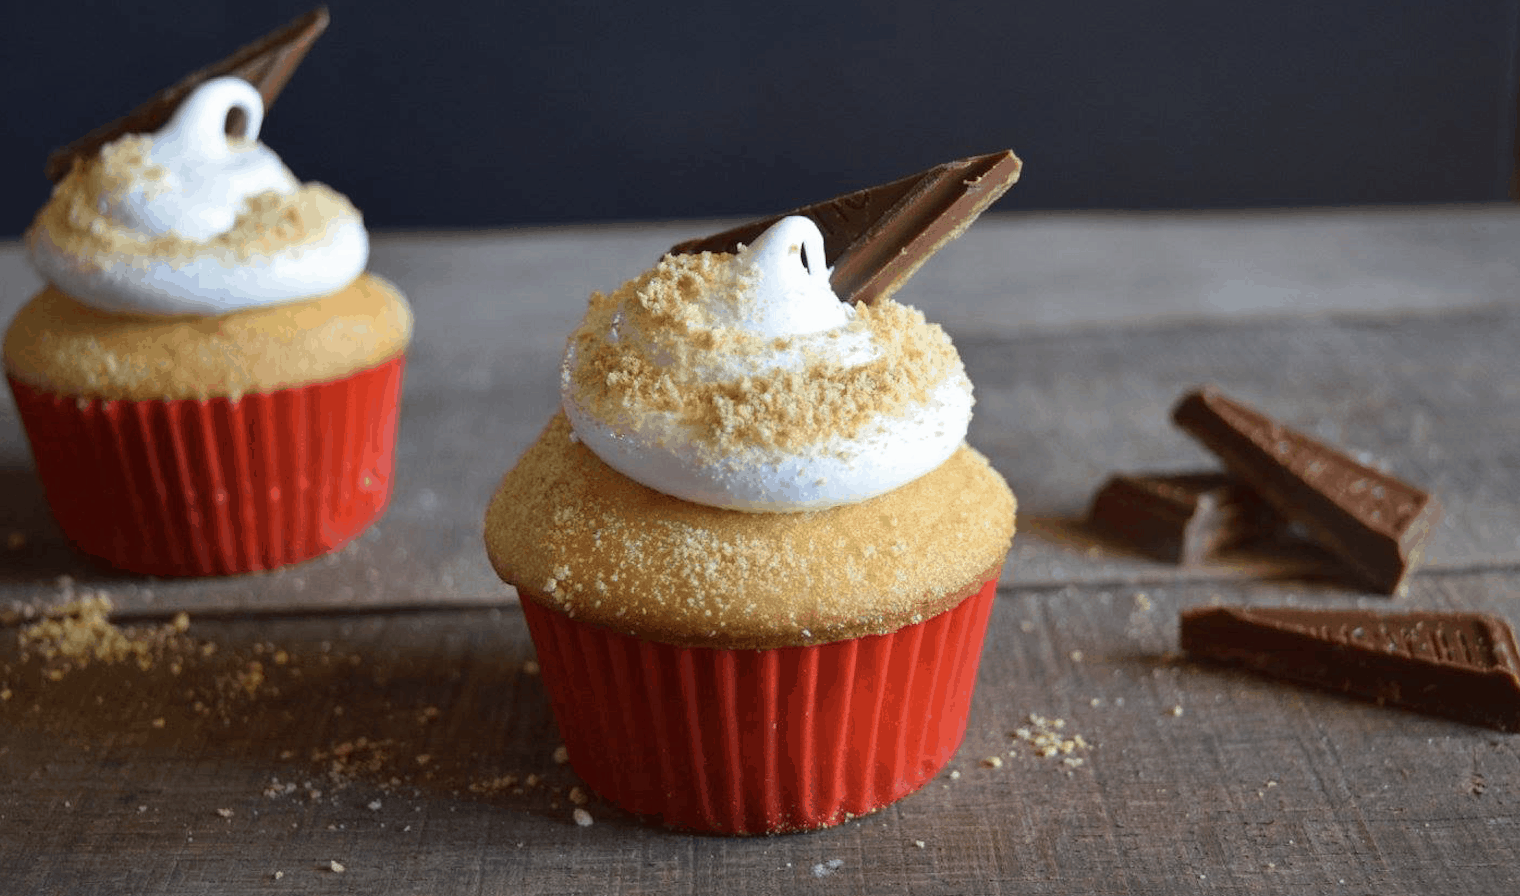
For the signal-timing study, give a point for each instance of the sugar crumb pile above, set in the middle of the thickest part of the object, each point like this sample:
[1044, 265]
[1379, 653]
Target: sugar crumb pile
[78, 633]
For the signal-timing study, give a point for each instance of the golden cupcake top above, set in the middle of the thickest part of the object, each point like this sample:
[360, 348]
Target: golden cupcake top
[572, 533]
[746, 461]
[58, 344]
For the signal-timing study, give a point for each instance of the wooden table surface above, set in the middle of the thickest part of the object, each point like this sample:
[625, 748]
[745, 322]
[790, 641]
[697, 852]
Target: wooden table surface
[373, 722]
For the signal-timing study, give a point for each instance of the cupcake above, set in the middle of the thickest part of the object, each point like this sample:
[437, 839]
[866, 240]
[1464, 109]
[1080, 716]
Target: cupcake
[209, 380]
[753, 550]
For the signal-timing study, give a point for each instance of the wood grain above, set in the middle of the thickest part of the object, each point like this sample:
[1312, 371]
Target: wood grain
[1434, 398]
[1197, 780]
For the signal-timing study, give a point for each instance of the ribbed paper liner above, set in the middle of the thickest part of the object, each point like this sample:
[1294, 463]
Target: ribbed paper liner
[196, 487]
[761, 741]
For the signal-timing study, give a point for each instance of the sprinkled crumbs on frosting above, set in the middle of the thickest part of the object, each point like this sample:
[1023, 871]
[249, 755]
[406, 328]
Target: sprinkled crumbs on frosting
[660, 380]
[272, 222]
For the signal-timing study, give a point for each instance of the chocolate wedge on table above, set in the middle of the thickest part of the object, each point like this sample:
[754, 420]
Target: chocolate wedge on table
[1374, 522]
[1463, 666]
[877, 237]
[267, 64]
[1180, 517]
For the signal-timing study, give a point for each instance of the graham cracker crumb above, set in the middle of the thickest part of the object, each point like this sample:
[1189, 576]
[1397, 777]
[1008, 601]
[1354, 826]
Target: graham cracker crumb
[80, 632]
[1047, 738]
[269, 223]
[661, 381]
[494, 785]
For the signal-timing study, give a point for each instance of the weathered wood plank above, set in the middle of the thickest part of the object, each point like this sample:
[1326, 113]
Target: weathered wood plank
[1256, 786]
[1197, 779]
[1435, 398]
[1059, 407]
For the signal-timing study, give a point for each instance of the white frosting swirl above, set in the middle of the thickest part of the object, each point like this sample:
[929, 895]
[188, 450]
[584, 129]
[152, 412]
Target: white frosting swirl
[171, 229]
[765, 314]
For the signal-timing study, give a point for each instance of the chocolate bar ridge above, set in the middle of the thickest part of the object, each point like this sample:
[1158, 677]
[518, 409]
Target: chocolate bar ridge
[1180, 517]
[1374, 522]
[876, 238]
[1463, 666]
[267, 64]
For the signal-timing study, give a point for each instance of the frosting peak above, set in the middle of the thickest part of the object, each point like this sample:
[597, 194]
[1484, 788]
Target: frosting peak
[783, 285]
[188, 221]
[741, 381]
[195, 180]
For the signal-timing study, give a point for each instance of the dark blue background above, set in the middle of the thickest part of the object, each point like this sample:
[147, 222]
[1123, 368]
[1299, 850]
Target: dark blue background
[483, 114]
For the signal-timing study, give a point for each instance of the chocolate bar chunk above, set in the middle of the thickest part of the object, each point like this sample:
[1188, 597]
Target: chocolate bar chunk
[267, 64]
[1181, 517]
[1463, 666]
[877, 237]
[1375, 523]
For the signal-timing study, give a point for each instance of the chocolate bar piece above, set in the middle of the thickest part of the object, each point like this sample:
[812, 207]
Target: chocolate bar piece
[1463, 666]
[267, 64]
[877, 237]
[1374, 522]
[1181, 517]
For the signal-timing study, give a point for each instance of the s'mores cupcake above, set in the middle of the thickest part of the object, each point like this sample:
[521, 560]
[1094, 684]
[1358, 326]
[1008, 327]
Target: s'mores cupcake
[754, 552]
[210, 379]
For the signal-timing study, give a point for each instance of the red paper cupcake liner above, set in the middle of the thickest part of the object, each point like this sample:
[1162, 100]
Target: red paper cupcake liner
[198, 487]
[761, 741]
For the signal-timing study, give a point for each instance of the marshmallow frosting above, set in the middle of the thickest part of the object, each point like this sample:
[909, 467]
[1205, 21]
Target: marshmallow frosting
[741, 381]
[190, 221]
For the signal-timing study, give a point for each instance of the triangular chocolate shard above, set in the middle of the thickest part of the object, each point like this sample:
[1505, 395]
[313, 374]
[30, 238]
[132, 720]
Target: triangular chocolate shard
[1374, 522]
[267, 64]
[1463, 666]
[877, 237]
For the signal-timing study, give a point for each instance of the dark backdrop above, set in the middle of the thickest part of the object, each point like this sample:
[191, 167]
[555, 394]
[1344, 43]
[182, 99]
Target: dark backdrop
[482, 114]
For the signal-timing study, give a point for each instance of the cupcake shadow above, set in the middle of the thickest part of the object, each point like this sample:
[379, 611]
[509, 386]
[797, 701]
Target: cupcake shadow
[32, 547]
[1278, 556]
